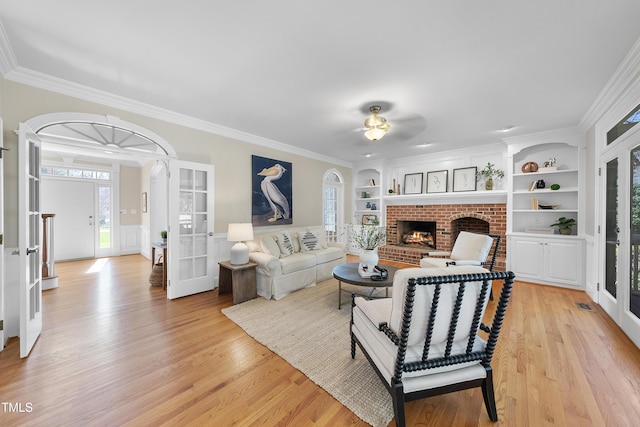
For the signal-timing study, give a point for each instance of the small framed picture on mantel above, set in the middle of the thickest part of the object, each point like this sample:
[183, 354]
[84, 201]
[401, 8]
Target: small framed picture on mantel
[464, 179]
[413, 183]
[437, 181]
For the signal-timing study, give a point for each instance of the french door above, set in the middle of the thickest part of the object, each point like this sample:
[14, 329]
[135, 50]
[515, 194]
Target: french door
[190, 238]
[29, 238]
[619, 293]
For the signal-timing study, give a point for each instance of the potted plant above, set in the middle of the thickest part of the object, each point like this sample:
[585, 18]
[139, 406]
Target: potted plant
[488, 173]
[163, 235]
[564, 225]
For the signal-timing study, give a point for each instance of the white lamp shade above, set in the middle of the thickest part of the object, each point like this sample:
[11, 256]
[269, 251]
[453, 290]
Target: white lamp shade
[240, 232]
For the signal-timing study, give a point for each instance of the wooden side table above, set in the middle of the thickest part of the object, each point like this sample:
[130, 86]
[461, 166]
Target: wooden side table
[163, 246]
[240, 280]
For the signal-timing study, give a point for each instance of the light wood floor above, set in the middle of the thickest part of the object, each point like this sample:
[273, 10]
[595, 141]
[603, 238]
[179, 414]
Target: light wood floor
[114, 351]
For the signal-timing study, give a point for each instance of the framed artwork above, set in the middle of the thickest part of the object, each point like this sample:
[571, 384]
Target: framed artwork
[437, 181]
[369, 219]
[464, 179]
[413, 183]
[271, 192]
[144, 202]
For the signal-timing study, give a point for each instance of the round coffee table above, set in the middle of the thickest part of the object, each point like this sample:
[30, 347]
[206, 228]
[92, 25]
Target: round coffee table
[348, 273]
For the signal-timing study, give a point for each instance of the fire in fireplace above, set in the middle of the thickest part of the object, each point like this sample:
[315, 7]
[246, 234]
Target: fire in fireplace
[421, 234]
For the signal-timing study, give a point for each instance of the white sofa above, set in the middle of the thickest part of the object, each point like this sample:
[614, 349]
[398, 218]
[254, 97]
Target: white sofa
[293, 259]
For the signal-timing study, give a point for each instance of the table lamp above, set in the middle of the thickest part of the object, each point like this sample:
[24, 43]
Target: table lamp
[240, 232]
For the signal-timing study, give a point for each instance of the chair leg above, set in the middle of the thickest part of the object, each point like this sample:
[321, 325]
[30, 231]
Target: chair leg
[489, 397]
[398, 404]
[353, 347]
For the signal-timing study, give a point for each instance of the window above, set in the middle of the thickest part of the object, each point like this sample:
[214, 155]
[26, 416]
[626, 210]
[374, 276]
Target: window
[332, 204]
[75, 173]
[104, 216]
[624, 125]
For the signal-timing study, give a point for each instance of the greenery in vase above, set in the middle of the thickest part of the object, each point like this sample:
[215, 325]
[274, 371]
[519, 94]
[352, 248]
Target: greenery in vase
[163, 234]
[367, 237]
[490, 171]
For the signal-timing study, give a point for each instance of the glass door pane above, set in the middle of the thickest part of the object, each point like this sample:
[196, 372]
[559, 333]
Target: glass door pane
[104, 216]
[634, 295]
[612, 229]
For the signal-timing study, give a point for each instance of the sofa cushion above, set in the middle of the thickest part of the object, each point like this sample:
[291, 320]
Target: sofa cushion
[254, 246]
[284, 243]
[309, 241]
[269, 246]
[328, 254]
[297, 262]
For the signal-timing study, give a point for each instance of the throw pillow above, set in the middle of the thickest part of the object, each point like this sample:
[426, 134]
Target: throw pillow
[319, 232]
[309, 241]
[269, 246]
[284, 243]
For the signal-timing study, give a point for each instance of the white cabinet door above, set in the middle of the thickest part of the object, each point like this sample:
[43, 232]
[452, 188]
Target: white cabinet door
[564, 261]
[526, 258]
[549, 261]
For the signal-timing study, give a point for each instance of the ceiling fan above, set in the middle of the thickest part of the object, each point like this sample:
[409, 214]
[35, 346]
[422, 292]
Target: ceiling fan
[377, 126]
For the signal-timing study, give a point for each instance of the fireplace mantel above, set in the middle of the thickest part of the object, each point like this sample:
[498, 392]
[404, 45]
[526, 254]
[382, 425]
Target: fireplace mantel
[461, 197]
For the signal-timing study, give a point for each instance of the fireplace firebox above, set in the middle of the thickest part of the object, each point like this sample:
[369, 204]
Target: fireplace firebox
[419, 234]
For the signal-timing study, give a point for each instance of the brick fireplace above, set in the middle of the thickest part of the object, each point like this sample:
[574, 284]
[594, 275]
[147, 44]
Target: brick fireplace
[450, 219]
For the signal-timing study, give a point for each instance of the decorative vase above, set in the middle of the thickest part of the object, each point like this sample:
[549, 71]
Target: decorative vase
[488, 184]
[368, 205]
[374, 207]
[564, 230]
[368, 260]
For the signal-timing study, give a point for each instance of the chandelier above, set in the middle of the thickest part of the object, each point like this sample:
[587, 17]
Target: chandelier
[377, 126]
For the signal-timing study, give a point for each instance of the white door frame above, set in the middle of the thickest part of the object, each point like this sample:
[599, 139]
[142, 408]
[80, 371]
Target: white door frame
[2, 338]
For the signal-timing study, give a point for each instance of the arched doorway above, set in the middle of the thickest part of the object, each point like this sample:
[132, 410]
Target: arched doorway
[79, 139]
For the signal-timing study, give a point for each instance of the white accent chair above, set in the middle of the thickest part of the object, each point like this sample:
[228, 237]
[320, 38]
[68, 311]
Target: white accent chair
[468, 249]
[423, 341]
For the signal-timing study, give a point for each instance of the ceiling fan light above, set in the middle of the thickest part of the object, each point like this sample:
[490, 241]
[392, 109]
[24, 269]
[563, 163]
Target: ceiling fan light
[374, 121]
[375, 134]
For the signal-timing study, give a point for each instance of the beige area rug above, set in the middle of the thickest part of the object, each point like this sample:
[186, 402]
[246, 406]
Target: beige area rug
[307, 330]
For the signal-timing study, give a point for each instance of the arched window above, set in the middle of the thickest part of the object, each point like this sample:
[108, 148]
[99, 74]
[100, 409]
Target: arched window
[332, 204]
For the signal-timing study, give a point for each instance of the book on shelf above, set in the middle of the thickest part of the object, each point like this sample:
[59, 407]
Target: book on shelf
[534, 203]
[533, 185]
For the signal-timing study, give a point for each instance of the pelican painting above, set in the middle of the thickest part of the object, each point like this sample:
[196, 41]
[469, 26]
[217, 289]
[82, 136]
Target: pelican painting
[272, 202]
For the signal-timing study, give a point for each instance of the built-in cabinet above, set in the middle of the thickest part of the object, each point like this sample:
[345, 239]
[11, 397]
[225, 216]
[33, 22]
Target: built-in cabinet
[538, 195]
[552, 260]
[368, 197]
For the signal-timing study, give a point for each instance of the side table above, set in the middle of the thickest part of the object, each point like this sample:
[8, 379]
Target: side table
[163, 246]
[240, 280]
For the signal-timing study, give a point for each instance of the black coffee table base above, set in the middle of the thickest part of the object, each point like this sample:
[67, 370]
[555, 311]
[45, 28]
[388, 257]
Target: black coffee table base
[348, 273]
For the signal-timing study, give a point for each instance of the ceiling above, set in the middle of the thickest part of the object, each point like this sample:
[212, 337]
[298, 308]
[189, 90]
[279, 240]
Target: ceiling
[304, 73]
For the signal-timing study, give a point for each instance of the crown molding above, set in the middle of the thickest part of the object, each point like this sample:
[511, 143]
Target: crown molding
[64, 87]
[626, 73]
[7, 57]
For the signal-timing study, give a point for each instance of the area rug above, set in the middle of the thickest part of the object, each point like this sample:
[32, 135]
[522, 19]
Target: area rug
[307, 330]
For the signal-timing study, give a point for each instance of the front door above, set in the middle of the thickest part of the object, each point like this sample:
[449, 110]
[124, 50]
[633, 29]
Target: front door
[73, 203]
[190, 238]
[29, 238]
